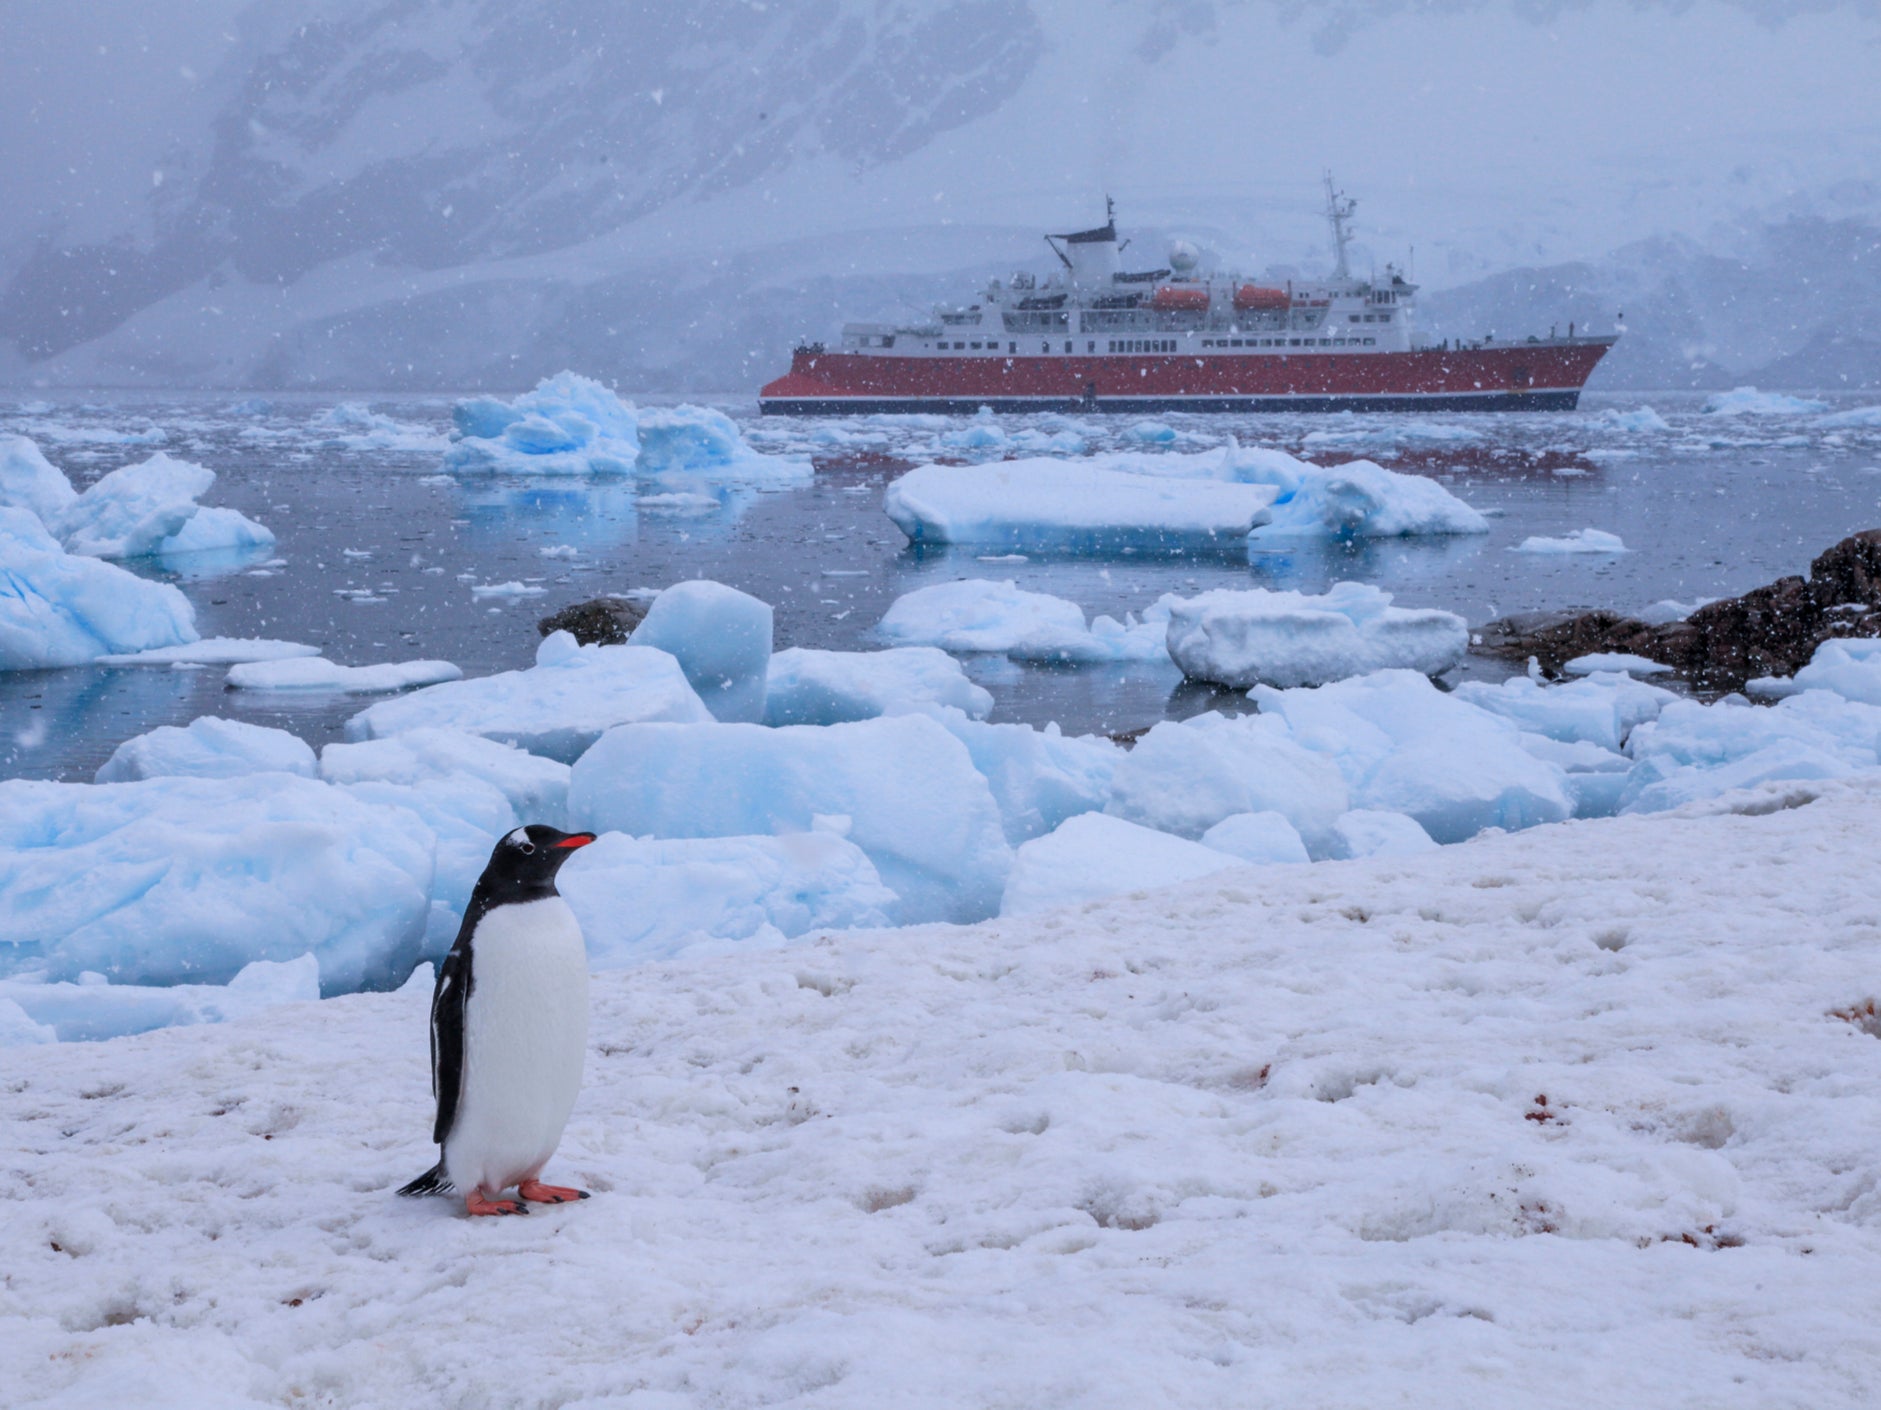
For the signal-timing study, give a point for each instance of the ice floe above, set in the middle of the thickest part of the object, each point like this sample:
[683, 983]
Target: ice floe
[208, 747]
[1266, 839]
[1748, 401]
[977, 615]
[557, 708]
[721, 638]
[1081, 506]
[316, 673]
[810, 687]
[64, 609]
[1580, 541]
[1243, 638]
[1624, 662]
[1602, 709]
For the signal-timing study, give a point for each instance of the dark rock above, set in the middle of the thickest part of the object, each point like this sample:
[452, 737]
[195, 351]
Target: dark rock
[605, 621]
[1769, 631]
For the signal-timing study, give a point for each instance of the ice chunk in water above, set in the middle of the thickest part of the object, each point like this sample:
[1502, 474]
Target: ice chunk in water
[1624, 662]
[1241, 638]
[1603, 709]
[63, 609]
[208, 748]
[315, 673]
[809, 687]
[1093, 855]
[1748, 401]
[1078, 506]
[641, 899]
[557, 708]
[975, 615]
[31, 482]
[721, 638]
[130, 512]
[916, 803]
[1580, 541]
[687, 441]
[567, 425]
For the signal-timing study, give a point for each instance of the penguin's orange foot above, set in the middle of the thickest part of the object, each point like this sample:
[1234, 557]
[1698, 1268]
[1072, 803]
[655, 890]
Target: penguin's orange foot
[540, 1193]
[475, 1203]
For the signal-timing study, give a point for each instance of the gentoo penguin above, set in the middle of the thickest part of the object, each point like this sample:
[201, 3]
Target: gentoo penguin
[509, 1029]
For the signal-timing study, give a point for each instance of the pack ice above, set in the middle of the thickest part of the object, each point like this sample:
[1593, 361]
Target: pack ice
[1082, 506]
[975, 615]
[557, 708]
[1243, 638]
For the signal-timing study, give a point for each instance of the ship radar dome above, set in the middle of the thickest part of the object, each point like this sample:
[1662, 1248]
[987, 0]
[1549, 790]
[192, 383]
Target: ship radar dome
[1183, 257]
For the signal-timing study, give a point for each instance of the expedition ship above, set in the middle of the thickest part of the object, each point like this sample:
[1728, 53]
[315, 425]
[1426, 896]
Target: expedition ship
[1096, 337]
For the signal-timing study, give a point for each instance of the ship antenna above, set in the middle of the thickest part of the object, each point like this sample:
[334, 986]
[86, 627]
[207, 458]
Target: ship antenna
[1339, 208]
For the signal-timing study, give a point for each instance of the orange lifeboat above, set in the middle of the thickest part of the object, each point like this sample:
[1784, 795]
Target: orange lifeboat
[1179, 298]
[1253, 296]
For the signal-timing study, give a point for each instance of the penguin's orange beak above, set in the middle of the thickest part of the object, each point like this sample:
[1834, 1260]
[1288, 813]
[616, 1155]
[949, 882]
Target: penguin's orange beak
[577, 839]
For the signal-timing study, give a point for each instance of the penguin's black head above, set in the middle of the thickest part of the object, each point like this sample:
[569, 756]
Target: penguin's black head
[525, 861]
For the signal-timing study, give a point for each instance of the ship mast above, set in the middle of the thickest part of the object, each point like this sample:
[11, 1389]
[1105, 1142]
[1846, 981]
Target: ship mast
[1339, 208]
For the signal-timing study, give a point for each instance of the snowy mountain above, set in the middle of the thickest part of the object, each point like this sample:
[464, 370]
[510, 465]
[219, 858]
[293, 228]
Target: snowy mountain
[354, 192]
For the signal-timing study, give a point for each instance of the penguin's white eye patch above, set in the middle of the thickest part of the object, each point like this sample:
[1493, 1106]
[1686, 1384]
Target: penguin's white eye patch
[520, 839]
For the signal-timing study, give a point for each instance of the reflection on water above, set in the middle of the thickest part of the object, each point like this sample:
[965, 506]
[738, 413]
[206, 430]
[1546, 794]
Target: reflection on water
[380, 554]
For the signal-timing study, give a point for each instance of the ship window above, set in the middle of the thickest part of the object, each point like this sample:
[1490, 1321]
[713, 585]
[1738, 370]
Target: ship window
[1044, 347]
[1090, 346]
[1353, 317]
[1067, 345]
[1012, 347]
[1293, 342]
[1370, 341]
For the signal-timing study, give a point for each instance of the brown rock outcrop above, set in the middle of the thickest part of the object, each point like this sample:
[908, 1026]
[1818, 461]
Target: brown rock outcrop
[1769, 631]
[604, 621]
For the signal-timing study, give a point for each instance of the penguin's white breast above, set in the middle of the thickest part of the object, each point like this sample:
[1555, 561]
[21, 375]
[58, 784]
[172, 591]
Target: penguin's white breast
[525, 1038]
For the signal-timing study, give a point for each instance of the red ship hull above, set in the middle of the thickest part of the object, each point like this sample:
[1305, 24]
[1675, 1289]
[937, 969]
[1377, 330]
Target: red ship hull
[1541, 376]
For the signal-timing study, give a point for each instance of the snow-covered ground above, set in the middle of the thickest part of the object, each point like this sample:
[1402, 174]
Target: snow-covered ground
[1582, 1116]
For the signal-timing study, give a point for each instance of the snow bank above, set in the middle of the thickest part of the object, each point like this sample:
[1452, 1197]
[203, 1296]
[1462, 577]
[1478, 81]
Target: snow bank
[1185, 776]
[721, 638]
[557, 708]
[568, 425]
[1092, 856]
[1241, 638]
[1080, 506]
[63, 609]
[93, 1008]
[1580, 541]
[976, 615]
[1846, 666]
[653, 898]
[214, 651]
[536, 788]
[186, 880]
[908, 789]
[316, 673]
[208, 748]
[809, 687]
[1403, 746]
[1748, 401]
[1275, 1137]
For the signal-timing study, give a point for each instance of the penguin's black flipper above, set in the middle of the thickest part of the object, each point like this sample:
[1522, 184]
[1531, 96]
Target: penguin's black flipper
[432, 1182]
[447, 1037]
